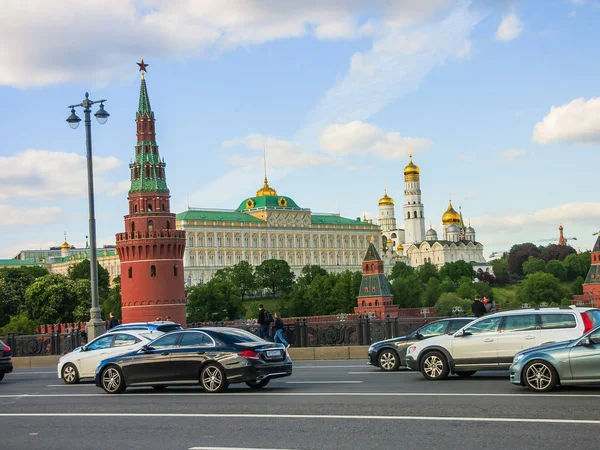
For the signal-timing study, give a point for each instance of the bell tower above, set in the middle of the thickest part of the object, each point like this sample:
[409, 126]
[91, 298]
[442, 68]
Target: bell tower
[150, 249]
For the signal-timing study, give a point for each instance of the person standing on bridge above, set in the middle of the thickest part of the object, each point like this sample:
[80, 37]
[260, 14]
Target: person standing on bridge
[478, 307]
[279, 331]
[111, 322]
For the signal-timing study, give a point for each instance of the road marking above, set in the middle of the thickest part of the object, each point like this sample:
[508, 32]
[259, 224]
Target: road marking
[32, 373]
[233, 448]
[309, 416]
[327, 367]
[323, 382]
[376, 372]
[303, 394]
[71, 385]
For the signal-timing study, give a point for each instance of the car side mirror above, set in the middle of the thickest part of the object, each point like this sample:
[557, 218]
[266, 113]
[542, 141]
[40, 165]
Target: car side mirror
[418, 336]
[84, 348]
[585, 341]
[460, 333]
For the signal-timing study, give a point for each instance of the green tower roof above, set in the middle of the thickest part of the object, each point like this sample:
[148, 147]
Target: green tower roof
[372, 254]
[144, 106]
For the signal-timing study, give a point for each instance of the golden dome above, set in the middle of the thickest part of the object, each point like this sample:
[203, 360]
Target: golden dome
[411, 168]
[450, 216]
[400, 247]
[389, 241]
[386, 199]
[65, 246]
[266, 190]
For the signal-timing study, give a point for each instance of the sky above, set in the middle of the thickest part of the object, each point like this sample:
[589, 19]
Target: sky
[499, 102]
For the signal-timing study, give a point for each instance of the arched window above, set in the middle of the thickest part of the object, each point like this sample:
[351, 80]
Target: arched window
[163, 207]
[364, 303]
[175, 270]
[130, 272]
[376, 302]
[134, 208]
[421, 214]
[168, 224]
[408, 215]
[372, 266]
[415, 214]
[150, 207]
[133, 227]
[150, 225]
[152, 271]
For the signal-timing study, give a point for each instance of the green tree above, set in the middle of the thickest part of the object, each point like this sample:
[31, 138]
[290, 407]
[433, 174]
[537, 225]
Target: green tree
[557, 269]
[300, 304]
[320, 293]
[14, 281]
[577, 286]
[275, 275]
[81, 271]
[432, 292]
[19, 324]
[540, 287]
[346, 290]
[310, 272]
[466, 289]
[557, 252]
[113, 301]
[577, 265]
[483, 289]
[407, 291]
[457, 270]
[244, 278]
[427, 271]
[533, 265]
[52, 299]
[500, 268]
[518, 255]
[215, 300]
[401, 269]
[447, 301]
[224, 274]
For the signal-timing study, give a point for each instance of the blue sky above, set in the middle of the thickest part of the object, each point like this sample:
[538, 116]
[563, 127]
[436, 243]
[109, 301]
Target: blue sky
[499, 101]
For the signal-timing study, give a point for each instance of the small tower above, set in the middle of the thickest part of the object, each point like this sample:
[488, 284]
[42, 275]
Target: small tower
[591, 286]
[374, 296]
[387, 215]
[151, 249]
[561, 238]
[414, 215]
[450, 217]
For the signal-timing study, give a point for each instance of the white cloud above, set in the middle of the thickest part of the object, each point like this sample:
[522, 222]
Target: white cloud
[362, 138]
[471, 194]
[11, 216]
[48, 42]
[577, 122]
[43, 174]
[510, 28]
[510, 155]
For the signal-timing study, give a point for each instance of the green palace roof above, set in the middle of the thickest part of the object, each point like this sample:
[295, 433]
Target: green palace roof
[217, 216]
[18, 262]
[268, 201]
[332, 219]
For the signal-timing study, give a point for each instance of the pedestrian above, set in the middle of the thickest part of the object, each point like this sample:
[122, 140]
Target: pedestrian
[279, 331]
[264, 321]
[167, 318]
[158, 319]
[112, 321]
[478, 307]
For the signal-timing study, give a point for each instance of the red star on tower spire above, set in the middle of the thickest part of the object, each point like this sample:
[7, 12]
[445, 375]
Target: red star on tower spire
[143, 66]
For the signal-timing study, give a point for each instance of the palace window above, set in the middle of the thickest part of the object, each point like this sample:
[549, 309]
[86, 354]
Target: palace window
[280, 242]
[339, 243]
[201, 260]
[246, 241]
[272, 242]
[228, 241]
[191, 241]
[219, 241]
[307, 242]
[324, 260]
[237, 241]
[315, 243]
[289, 242]
[298, 240]
[220, 259]
[152, 271]
[299, 259]
[201, 241]
[192, 259]
[228, 260]
[210, 240]
[211, 259]
[255, 260]
[238, 259]
[263, 242]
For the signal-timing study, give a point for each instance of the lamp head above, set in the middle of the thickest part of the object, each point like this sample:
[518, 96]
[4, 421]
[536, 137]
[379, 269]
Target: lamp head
[102, 116]
[73, 120]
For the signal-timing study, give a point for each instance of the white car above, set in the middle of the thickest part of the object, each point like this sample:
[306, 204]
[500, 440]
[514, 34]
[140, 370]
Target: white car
[82, 362]
[491, 342]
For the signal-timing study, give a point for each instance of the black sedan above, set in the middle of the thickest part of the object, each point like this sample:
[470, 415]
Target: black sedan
[212, 357]
[5, 361]
[390, 354]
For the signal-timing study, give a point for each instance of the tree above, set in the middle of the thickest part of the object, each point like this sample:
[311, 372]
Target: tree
[466, 289]
[577, 265]
[540, 287]
[310, 272]
[19, 324]
[81, 271]
[557, 252]
[300, 304]
[518, 255]
[225, 274]
[448, 301]
[483, 289]
[577, 286]
[275, 275]
[432, 292]
[456, 270]
[346, 290]
[401, 269]
[214, 301]
[113, 301]
[427, 271]
[320, 292]
[244, 278]
[407, 291]
[486, 277]
[52, 299]
[14, 281]
[533, 265]
[500, 268]
[557, 269]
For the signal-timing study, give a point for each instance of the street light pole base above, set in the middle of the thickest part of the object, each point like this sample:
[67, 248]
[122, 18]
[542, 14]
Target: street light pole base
[95, 326]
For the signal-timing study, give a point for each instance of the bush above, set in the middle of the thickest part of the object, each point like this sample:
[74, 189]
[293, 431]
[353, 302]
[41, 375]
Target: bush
[19, 324]
[448, 301]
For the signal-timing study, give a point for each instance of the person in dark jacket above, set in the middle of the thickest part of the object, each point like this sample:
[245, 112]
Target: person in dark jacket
[478, 307]
[112, 321]
[264, 322]
[279, 331]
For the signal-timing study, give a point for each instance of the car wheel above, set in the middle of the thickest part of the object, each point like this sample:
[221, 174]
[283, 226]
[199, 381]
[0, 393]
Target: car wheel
[465, 373]
[257, 384]
[434, 366]
[388, 360]
[70, 374]
[1, 376]
[159, 387]
[112, 380]
[212, 379]
[540, 376]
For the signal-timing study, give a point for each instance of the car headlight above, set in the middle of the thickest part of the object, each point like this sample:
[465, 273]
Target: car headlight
[411, 349]
[371, 348]
[518, 358]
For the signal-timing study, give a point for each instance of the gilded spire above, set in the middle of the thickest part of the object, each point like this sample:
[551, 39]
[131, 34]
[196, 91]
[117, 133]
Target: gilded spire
[144, 105]
[266, 190]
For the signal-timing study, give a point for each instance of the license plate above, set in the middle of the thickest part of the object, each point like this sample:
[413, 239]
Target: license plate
[275, 353]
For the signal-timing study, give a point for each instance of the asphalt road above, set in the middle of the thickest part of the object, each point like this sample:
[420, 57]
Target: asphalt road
[323, 405]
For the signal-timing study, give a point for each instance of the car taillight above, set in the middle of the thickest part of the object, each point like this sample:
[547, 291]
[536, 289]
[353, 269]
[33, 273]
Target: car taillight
[248, 354]
[587, 323]
[7, 350]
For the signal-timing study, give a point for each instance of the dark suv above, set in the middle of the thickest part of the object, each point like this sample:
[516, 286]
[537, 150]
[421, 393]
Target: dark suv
[5, 362]
[390, 354]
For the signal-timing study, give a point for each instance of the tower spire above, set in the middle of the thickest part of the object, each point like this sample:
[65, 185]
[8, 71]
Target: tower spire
[265, 162]
[144, 104]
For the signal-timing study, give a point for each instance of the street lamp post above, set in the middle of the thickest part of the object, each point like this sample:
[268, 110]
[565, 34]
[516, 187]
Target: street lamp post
[95, 326]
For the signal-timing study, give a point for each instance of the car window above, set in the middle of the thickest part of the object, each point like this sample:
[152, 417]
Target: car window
[123, 339]
[554, 321]
[594, 316]
[456, 325]
[524, 322]
[433, 329]
[170, 340]
[195, 339]
[236, 335]
[595, 337]
[169, 327]
[489, 325]
[100, 343]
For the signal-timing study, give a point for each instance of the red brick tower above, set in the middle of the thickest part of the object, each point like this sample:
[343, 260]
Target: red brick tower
[375, 296]
[151, 249]
[591, 286]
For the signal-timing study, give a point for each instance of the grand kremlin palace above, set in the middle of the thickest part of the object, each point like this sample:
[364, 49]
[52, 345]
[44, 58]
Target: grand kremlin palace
[271, 226]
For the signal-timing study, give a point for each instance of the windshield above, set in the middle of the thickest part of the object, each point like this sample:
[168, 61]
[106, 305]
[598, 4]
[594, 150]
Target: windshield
[236, 335]
[170, 327]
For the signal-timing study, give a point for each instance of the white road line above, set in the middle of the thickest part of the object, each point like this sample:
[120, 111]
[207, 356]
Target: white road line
[323, 382]
[310, 416]
[304, 394]
[377, 372]
[233, 448]
[362, 366]
[72, 385]
[32, 373]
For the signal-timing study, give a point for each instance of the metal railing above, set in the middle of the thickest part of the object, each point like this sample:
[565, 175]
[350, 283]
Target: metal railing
[44, 344]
